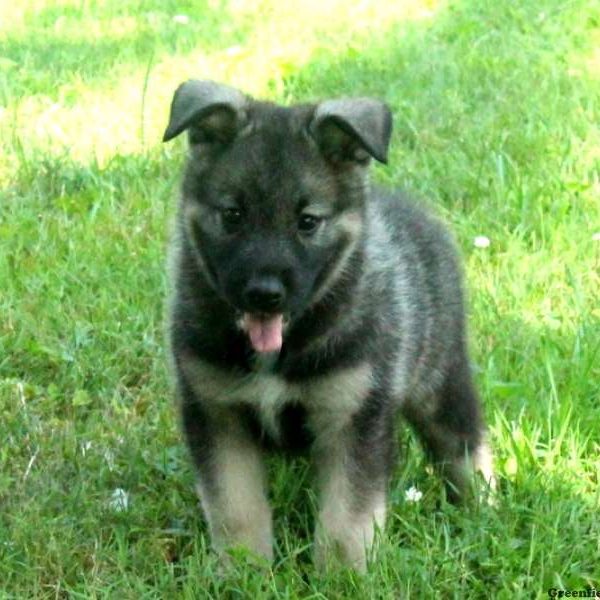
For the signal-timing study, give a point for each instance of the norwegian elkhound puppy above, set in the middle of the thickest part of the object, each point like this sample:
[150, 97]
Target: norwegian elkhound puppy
[308, 308]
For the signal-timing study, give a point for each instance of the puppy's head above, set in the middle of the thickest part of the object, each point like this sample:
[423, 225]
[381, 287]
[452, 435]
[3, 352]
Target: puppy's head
[273, 198]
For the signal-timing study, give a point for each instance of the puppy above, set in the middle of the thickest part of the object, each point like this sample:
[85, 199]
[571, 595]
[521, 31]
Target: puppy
[308, 309]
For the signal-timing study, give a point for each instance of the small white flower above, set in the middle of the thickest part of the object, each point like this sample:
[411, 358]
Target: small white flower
[596, 236]
[109, 457]
[234, 50]
[119, 500]
[412, 494]
[481, 241]
[181, 19]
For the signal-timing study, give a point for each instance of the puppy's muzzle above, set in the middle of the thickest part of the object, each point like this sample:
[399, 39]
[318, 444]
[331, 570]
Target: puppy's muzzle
[264, 295]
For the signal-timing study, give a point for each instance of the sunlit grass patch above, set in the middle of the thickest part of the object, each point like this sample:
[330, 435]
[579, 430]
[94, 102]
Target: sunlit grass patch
[104, 77]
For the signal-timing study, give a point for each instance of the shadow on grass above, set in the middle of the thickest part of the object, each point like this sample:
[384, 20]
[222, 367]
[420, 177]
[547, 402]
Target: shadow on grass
[49, 180]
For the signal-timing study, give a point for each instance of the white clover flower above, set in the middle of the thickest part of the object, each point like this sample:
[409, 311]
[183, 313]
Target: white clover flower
[481, 241]
[119, 500]
[109, 457]
[181, 19]
[596, 236]
[234, 50]
[412, 494]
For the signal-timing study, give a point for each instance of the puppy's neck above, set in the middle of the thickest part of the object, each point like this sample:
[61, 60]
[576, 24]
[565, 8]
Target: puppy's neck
[264, 362]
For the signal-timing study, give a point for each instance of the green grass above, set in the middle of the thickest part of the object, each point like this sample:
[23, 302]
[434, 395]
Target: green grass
[496, 106]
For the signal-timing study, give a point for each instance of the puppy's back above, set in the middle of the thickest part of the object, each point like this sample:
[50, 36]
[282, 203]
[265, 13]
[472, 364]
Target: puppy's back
[425, 303]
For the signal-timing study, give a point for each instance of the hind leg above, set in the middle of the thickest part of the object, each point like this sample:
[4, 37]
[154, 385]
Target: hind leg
[452, 431]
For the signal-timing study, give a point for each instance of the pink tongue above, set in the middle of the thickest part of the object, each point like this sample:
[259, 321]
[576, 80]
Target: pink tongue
[265, 332]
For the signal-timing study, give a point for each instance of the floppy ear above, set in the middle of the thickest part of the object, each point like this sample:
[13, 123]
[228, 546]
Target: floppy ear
[352, 129]
[211, 111]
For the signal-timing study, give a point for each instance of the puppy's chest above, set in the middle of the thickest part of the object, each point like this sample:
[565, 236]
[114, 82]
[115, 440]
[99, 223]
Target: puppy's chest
[327, 401]
[270, 397]
[321, 405]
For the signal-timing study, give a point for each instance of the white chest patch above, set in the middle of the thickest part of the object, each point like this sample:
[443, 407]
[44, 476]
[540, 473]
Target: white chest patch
[330, 400]
[268, 394]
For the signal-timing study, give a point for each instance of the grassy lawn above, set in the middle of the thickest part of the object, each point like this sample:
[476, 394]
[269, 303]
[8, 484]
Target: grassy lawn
[497, 112]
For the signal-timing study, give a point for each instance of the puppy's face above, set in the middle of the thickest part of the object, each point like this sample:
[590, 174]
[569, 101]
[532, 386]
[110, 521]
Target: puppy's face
[273, 210]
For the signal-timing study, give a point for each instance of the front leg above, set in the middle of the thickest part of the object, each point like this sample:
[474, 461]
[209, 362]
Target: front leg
[231, 477]
[353, 468]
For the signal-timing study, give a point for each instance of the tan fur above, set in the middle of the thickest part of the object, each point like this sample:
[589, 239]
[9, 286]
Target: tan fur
[345, 531]
[238, 512]
[349, 225]
[466, 470]
[195, 213]
[266, 392]
[483, 464]
[330, 400]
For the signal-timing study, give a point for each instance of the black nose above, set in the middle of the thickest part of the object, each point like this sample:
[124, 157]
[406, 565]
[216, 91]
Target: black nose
[264, 294]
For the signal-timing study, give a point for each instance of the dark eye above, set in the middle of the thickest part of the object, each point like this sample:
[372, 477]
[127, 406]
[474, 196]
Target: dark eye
[308, 224]
[232, 219]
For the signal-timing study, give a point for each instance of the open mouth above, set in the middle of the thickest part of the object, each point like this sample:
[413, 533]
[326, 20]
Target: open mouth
[264, 330]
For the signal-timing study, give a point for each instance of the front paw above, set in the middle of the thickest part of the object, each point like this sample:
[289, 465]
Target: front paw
[346, 542]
